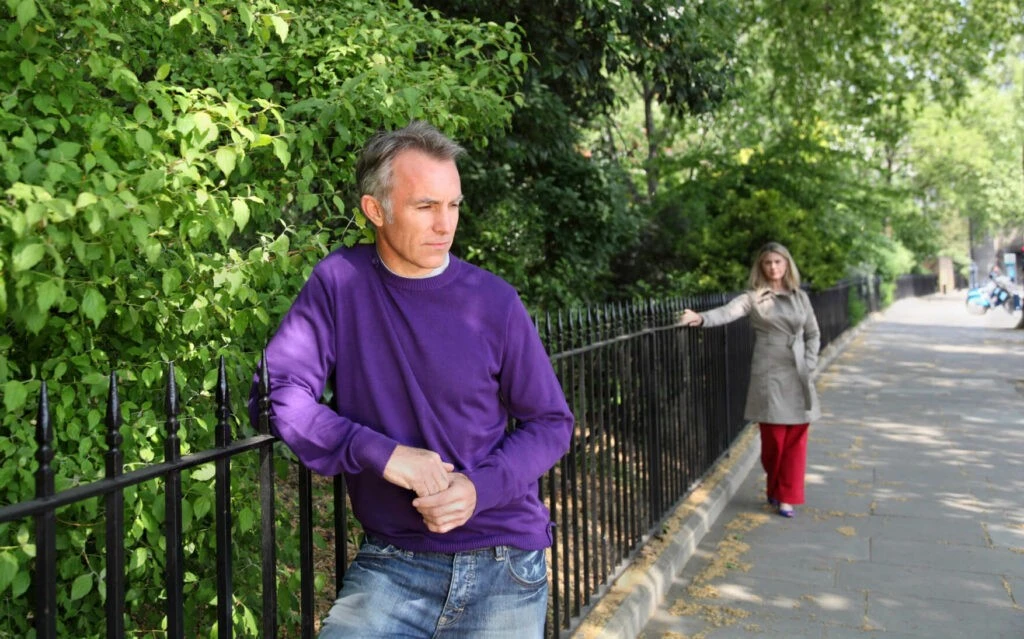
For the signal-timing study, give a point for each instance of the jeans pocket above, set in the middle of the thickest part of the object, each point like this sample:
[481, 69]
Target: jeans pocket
[527, 567]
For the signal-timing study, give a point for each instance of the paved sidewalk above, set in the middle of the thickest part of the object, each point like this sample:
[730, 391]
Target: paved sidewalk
[914, 522]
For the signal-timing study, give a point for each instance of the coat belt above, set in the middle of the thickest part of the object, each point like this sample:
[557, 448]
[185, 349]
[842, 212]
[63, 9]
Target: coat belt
[796, 344]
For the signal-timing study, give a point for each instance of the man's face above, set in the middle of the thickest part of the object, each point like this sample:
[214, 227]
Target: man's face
[425, 198]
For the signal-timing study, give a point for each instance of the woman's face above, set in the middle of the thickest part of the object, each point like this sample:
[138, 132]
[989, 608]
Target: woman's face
[774, 266]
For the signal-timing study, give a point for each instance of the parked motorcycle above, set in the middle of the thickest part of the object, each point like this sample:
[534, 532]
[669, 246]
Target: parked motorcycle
[992, 295]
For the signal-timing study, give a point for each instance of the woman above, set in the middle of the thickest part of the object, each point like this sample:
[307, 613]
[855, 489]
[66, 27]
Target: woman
[781, 397]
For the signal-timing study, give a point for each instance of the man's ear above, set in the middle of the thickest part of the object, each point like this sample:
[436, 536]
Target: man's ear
[372, 210]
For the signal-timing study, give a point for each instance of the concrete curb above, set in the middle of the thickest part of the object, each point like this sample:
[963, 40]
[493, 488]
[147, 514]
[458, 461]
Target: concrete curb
[645, 590]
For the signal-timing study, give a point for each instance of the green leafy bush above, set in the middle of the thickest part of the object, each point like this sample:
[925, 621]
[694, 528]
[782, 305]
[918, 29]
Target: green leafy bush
[857, 308]
[170, 173]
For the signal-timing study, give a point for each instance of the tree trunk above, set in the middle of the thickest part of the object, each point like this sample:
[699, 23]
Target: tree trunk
[652, 141]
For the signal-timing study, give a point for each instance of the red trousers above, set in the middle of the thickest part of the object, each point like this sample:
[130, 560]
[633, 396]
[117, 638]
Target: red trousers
[784, 458]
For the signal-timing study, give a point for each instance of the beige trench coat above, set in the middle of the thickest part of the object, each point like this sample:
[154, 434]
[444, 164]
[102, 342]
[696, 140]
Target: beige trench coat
[786, 343]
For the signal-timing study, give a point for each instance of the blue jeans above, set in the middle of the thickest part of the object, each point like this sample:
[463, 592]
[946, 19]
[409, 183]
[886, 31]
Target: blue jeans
[495, 593]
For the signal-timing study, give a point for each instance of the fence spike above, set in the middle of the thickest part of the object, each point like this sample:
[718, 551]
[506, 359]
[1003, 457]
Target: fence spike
[223, 433]
[263, 422]
[44, 443]
[560, 325]
[172, 446]
[113, 424]
[549, 342]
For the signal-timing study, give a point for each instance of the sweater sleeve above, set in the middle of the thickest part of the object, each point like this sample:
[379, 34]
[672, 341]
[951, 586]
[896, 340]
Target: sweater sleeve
[301, 359]
[736, 308]
[544, 424]
[812, 334]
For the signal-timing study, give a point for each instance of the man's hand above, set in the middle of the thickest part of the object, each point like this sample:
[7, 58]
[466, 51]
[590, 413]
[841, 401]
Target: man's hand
[419, 470]
[449, 508]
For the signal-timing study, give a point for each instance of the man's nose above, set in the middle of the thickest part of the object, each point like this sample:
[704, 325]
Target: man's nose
[445, 222]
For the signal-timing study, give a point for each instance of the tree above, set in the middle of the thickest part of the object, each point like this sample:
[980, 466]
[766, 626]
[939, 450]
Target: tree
[830, 92]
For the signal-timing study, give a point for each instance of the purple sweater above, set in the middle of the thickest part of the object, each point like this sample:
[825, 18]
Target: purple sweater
[439, 363]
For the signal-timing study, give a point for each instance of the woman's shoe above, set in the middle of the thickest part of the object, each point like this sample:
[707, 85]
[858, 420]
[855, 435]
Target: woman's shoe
[774, 503]
[786, 511]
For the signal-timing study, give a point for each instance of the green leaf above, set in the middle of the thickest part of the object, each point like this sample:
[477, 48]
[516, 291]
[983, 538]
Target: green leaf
[144, 139]
[68, 150]
[226, 158]
[240, 210]
[151, 180]
[191, 320]
[81, 586]
[48, 294]
[15, 395]
[246, 518]
[206, 127]
[8, 569]
[28, 71]
[85, 199]
[27, 141]
[170, 281]
[204, 472]
[245, 13]
[307, 201]
[138, 558]
[202, 506]
[25, 541]
[181, 15]
[26, 256]
[142, 113]
[20, 584]
[186, 515]
[280, 246]
[94, 305]
[281, 151]
[26, 12]
[280, 27]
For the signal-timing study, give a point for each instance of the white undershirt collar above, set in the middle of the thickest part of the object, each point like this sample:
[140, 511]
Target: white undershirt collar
[434, 273]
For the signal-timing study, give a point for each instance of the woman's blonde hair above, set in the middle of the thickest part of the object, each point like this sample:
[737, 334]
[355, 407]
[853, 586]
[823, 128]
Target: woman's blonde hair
[757, 279]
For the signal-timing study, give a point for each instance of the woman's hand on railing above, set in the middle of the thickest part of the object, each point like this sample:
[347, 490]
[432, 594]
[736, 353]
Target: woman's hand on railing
[690, 318]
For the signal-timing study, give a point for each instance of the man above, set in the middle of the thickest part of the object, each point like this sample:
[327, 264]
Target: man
[428, 358]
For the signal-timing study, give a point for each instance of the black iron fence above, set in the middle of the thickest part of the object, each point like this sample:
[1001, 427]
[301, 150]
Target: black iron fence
[656, 405]
[915, 286]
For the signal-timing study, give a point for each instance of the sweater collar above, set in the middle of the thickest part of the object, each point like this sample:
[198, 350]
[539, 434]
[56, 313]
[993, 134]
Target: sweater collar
[441, 277]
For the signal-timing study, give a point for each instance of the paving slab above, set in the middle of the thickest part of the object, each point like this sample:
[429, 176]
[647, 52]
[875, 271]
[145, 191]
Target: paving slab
[919, 617]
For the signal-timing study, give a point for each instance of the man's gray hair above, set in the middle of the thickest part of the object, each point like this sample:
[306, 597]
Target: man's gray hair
[373, 170]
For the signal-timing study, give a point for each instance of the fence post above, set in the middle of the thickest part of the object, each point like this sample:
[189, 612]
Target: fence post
[114, 516]
[46, 527]
[268, 546]
[225, 586]
[172, 515]
[306, 608]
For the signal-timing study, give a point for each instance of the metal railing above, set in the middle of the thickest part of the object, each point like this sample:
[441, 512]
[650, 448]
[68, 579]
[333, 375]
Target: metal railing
[915, 286]
[656, 406]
